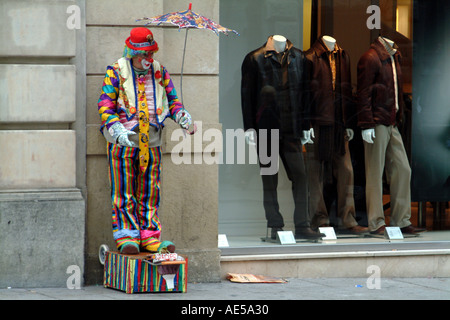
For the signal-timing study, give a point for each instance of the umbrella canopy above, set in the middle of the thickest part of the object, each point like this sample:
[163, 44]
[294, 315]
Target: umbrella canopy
[185, 20]
[188, 19]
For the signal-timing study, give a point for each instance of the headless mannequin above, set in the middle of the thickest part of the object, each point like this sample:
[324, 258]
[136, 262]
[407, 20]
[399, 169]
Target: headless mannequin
[330, 42]
[279, 43]
[336, 165]
[387, 155]
[391, 43]
[289, 147]
[369, 134]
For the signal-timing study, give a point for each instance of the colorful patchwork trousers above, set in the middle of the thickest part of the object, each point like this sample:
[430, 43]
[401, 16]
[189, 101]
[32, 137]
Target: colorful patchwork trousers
[135, 197]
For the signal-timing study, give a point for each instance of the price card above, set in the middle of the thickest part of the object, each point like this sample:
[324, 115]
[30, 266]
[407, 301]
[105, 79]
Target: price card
[329, 233]
[223, 241]
[393, 233]
[286, 237]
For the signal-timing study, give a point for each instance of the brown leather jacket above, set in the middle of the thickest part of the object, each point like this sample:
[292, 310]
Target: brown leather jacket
[376, 91]
[323, 99]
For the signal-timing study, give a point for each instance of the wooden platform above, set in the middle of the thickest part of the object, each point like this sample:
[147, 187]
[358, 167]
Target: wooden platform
[136, 274]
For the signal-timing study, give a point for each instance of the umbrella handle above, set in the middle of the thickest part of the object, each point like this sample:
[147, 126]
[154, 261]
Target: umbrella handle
[182, 66]
[190, 5]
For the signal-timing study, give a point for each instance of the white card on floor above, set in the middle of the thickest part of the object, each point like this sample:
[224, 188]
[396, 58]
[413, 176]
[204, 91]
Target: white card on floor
[223, 241]
[393, 233]
[329, 233]
[286, 237]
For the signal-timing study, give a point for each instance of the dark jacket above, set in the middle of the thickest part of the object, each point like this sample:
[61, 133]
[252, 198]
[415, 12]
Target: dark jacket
[263, 82]
[324, 100]
[376, 91]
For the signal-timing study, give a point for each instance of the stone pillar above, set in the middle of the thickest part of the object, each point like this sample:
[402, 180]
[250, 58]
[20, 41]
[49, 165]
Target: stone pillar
[42, 181]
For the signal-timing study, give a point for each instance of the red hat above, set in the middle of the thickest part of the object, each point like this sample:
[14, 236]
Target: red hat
[141, 39]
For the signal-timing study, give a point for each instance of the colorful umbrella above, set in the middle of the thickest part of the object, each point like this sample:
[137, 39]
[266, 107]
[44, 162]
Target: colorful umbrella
[185, 20]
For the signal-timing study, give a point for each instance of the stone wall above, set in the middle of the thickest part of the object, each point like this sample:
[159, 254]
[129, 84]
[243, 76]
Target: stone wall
[42, 142]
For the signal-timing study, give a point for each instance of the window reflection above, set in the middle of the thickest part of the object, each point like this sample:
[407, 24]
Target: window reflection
[345, 21]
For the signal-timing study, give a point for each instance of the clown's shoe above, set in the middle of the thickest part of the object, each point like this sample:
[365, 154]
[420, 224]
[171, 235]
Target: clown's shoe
[154, 245]
[129, 248]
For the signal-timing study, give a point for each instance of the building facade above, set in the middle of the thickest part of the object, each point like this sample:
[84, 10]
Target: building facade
[55, 207]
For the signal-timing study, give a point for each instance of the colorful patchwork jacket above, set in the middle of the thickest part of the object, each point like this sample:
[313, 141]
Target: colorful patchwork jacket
[118, 100]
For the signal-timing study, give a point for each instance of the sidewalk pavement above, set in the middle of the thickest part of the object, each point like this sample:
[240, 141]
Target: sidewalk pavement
[293, 289]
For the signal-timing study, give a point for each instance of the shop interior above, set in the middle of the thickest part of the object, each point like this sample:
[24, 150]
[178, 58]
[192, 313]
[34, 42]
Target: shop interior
[413, 26]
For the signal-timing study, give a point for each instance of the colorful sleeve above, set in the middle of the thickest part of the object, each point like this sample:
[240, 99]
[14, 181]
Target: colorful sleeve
[174, 103]
[107, 103]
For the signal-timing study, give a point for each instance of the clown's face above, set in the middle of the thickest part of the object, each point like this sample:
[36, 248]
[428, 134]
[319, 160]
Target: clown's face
[146, 64]
[143, 61]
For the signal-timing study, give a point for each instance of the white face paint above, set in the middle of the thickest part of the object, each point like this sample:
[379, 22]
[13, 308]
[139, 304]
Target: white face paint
[146, 64]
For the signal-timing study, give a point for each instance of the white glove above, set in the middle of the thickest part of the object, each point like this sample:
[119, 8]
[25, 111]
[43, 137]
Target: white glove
[183, 118]
[120, 134]
[308, 135]
[349, 134]
[368, 135]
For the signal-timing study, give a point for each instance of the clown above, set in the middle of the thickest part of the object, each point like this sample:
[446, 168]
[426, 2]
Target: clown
[137, 96]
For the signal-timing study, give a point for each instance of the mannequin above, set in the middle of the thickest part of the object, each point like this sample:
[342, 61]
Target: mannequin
[331, 120]
[379, 113]
[279, 43]
[390, 42]
[275, 98]
[369, 134]
[330, 42]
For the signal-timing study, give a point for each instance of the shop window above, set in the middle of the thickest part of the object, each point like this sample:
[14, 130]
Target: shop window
[414, 26]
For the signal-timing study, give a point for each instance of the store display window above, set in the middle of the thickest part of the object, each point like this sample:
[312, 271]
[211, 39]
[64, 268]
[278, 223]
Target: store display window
[339, 111]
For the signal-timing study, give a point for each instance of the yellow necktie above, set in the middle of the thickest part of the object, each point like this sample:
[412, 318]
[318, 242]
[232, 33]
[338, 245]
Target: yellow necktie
[144, 125]
[332, 57]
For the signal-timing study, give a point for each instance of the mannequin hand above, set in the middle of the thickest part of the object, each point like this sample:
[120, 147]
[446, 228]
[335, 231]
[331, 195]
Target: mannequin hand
[308, 135]
[250, 137]
[349, 134]
[368, 135]
[120, 134]
[183, 118]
